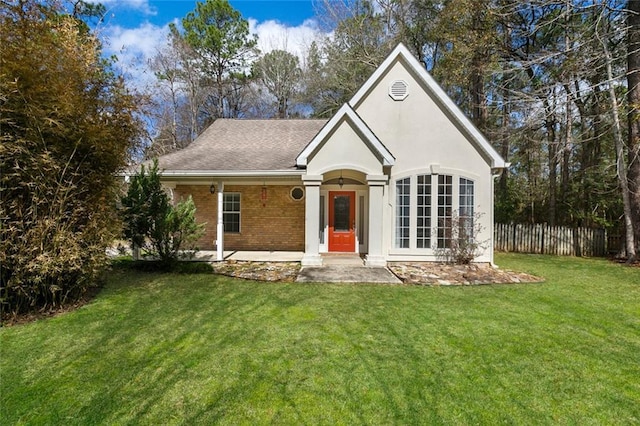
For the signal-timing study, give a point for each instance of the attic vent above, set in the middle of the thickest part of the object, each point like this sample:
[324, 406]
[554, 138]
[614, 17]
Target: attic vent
[399, 90]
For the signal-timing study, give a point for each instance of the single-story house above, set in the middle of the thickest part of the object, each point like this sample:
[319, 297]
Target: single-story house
[383, 177]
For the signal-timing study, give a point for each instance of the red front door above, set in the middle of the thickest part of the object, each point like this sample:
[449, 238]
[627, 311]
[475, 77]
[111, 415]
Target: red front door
[342, 221]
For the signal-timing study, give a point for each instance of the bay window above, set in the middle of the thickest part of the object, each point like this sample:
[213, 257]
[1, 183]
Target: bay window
[425, 209]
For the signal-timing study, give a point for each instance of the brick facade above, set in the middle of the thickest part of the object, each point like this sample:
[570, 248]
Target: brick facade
[278, 224]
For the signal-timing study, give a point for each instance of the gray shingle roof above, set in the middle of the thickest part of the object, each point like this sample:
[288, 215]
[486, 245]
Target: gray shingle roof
[244, 145]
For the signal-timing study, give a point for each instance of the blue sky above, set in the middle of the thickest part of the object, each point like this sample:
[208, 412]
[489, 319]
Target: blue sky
[130, 13]
[135, 30]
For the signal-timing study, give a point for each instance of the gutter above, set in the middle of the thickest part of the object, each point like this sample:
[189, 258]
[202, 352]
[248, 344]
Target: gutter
[227, 173]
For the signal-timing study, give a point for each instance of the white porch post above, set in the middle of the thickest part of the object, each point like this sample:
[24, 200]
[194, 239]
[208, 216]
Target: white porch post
[375, 257]
[168, 188]
[312, 221]
[220, 225]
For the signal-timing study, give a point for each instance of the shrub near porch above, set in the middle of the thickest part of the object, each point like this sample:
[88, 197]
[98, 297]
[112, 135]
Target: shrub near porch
[276, 224]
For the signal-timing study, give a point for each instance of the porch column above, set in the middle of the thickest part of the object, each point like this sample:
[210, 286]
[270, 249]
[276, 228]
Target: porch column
[375, 257]
[220, 225]
[168, 188]
[312, 221]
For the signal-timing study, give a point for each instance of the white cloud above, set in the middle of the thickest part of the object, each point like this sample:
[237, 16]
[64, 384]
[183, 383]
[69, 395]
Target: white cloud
[137, 5]
[134, 48]
[274, 35]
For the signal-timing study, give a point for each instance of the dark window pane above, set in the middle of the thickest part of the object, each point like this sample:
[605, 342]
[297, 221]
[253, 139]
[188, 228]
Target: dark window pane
[341, 209]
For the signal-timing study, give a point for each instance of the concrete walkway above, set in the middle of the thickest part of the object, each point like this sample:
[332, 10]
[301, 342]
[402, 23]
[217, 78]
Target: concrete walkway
[336, 268]
[345, 269]
[346, 274]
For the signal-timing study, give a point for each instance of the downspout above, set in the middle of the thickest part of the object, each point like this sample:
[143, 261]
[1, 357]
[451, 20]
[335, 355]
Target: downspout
[495, 174]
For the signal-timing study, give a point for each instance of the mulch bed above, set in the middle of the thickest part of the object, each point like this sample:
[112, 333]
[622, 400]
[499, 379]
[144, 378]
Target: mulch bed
[8, 319]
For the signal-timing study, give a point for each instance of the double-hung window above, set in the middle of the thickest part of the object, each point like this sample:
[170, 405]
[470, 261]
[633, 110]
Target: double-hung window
[231, 212]
[466, 212]
[423, 226]
[445, 210]
[403, 211]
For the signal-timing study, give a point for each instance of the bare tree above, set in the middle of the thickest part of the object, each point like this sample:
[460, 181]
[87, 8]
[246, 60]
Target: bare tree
[633, 97]
[279, 71]
[621, 167]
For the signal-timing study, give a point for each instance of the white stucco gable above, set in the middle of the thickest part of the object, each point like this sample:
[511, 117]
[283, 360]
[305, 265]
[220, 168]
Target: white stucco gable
[345, 142]
[401, 69]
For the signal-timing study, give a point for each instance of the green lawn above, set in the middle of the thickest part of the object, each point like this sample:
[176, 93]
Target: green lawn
[201, 349]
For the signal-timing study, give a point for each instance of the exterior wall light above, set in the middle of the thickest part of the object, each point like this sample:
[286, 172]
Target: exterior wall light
[212, 189]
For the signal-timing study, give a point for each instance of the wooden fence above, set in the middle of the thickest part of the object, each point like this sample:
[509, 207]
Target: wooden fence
[545, 239]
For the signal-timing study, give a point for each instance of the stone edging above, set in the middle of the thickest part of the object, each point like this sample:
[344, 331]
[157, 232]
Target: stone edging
[419, 273]
[426, 273]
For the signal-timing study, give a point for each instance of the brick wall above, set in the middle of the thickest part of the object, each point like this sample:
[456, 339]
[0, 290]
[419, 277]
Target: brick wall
[276, 225]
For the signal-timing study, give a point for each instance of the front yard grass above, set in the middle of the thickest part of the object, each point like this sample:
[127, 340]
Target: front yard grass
[201, 349]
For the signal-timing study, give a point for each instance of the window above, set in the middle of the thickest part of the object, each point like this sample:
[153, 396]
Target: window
[466, 209]
[432, 217]
[297, 193]
[445, 200]
[403, 195]
[231, 212]
[423, 236]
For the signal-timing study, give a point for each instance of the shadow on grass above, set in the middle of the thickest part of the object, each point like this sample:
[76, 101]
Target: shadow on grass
[200, 340]
[166, 348]
[178, 267]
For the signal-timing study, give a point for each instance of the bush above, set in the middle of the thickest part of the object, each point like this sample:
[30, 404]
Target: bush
[462, 243]
[152, 223]
[67, 124]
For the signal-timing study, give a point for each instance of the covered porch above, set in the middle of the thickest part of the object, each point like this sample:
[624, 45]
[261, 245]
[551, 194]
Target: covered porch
[344, 215]
[347, 171]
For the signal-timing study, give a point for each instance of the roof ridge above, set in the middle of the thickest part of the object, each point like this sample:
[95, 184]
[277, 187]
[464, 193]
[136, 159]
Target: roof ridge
[272, 119]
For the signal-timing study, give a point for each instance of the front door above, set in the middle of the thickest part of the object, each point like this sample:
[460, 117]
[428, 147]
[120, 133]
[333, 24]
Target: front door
[342, 221]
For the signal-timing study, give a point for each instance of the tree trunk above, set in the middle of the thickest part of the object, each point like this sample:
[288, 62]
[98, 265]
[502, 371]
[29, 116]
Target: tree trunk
[282, 107]
[552, 139]
[504, 137]
[566, 159]
[621, 167]
[478, 96]
[479, 112]
[633, 96]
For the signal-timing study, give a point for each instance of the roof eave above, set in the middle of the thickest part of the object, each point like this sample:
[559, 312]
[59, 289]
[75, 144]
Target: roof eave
[230, 173]
[348, 112]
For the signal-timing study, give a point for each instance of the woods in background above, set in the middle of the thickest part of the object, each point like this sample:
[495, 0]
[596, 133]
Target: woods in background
[532, 76]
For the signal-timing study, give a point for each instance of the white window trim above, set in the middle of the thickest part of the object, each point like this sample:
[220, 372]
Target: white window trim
[395, 212]
[431, 197]
[456, 176]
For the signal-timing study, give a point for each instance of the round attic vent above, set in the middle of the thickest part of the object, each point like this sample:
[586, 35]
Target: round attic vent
[399, 90]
